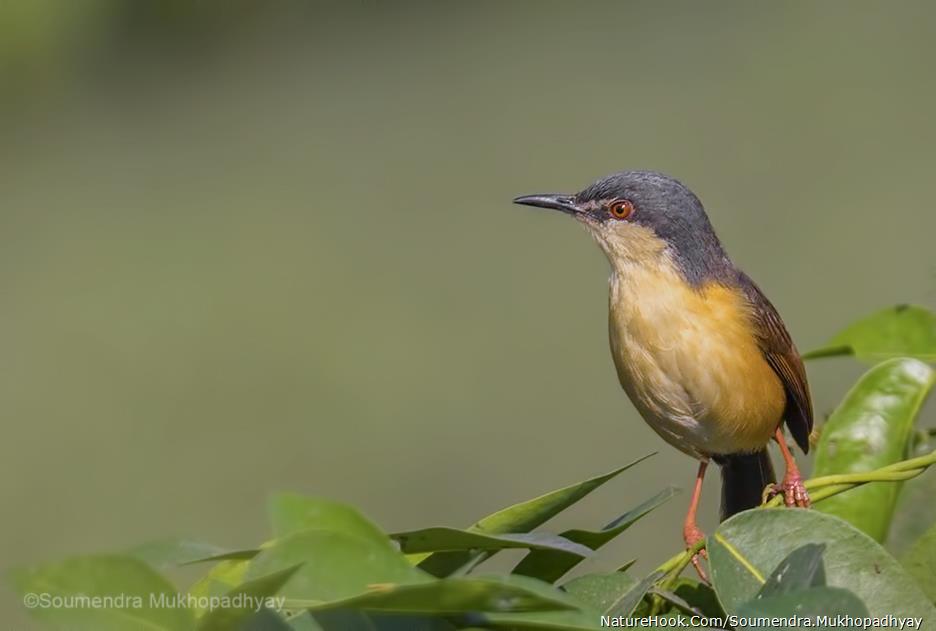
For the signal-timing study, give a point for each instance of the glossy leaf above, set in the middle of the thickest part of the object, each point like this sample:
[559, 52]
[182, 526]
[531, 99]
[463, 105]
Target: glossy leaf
[259, 589]
[626, 565]
[582, 618]
[241, 555]
[265, 620]
[232, 555]
[750, 545]
[228, 572]
[699, 595]
[625, 604]
[674, 604]
[519, 518]
[827, 601]
[528, 515]
[102, 576]
[599, 591]
[290, 512]
[171, 552]
[915, 511]
[219, 580]
[920, 561]
[440, 539]
[871, 429]
[497, 594]
[802, 569]
[797, 586]
[594, 593]
[542, 621]
[901, 331]
[550, 565]
[336, 566]
[333, 620]
[356, 620]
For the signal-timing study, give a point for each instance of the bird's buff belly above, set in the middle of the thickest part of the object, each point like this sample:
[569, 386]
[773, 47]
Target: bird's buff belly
[690, 363]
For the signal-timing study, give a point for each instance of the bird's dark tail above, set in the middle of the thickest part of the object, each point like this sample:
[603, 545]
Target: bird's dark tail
[744, 477]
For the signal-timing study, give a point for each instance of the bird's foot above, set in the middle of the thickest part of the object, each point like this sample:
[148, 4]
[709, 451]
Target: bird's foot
[793, 490]
[692, 535]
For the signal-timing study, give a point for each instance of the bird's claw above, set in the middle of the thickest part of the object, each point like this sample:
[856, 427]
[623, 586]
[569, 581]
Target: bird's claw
[793, 490]
[693, 536]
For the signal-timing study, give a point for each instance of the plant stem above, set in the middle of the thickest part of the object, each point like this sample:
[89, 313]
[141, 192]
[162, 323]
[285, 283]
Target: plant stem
[839, 483]
[678, 563]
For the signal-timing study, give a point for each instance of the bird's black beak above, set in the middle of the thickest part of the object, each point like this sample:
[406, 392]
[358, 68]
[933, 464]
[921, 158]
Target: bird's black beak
[555, 201]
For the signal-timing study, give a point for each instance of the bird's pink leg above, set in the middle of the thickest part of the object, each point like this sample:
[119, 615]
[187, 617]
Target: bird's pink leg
[794, 493]
[691, 532]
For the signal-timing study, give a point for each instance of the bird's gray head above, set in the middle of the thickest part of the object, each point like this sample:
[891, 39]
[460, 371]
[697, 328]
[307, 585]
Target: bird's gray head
[642, 217]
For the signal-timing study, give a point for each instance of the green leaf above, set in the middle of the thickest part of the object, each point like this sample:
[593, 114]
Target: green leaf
[232, 555]
[920, 561]
[337, 565]
[265, 620]
[915, 511]
[599, 591]
[797, 587]
[219, 580]
[699, 595]
[528, 515]
[497, 594]
[686, 597]
[800, 570]
[355, 620]
[550, 565]
[871, 429]
[582, 619]
[829, 601]
[334, 620]
[750, 545]
[673, 604]
[290, 512]
[172, 552]
[522, 517]
[228, 572]
[139, 598]
[246, 600]
[625, 604]
[901, 331]
[626, 565]
[542, 621]
[439, 539]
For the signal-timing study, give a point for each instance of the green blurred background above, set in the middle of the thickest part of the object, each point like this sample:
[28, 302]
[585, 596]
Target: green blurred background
[250, 247]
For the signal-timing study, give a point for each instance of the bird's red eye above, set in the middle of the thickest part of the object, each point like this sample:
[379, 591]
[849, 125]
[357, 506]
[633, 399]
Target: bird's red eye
[620, 208]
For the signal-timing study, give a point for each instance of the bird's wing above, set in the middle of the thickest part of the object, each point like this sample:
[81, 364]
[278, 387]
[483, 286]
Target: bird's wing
[781, 354]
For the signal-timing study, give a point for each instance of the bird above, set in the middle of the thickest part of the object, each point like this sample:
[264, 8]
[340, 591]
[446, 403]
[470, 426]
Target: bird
[701, 352]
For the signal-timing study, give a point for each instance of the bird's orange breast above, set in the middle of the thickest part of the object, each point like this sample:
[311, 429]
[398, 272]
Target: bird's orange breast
[689, 360]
